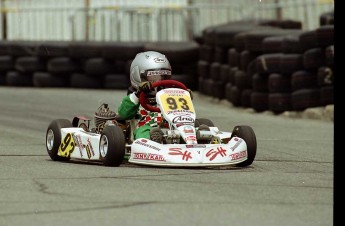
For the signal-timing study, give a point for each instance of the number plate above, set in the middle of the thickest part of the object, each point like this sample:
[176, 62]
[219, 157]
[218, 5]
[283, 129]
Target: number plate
[176, 100]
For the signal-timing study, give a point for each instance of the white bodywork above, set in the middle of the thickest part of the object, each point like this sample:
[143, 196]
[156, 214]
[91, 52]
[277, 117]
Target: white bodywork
[77, 143]
[177, 109]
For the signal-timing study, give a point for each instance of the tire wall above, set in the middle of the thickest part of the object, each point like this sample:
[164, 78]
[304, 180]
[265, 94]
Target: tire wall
[92, 65]
[268, 65]
[264, 65]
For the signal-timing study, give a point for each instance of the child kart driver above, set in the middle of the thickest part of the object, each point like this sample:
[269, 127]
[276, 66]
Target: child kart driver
[146, 68]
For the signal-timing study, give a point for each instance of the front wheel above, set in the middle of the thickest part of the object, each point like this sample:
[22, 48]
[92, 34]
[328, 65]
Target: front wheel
[248, 135]
[53, 138]
[112, 146]
[205, 121]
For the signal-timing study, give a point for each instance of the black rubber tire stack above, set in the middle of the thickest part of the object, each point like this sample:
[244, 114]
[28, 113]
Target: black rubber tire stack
[268, 65]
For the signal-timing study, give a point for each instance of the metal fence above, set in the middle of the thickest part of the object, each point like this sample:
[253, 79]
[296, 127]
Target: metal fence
[142, 20]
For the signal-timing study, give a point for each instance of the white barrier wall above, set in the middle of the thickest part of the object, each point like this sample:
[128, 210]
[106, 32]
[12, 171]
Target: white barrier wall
[142, 20]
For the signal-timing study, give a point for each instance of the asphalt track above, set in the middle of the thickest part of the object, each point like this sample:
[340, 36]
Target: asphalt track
[290, 183]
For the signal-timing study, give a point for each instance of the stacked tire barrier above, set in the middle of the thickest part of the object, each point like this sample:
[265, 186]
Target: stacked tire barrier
[268, 66]
[263, 65]
[81, 64]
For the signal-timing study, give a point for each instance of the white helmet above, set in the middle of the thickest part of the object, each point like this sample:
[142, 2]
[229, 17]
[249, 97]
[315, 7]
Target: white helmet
[149, 66]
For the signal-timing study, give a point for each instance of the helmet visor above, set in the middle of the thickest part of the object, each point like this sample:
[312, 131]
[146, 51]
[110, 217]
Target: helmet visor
[156, 75]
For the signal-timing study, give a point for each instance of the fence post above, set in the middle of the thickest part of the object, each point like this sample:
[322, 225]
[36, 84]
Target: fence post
[3, 12]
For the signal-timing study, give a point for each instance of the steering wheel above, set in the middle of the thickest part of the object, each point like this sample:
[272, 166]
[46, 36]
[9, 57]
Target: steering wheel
[167, 84]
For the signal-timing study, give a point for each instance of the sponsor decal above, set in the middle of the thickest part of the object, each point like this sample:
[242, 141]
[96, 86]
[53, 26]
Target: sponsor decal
[90, 146]
[175, 91]
[186, 155]
[193, 138]
[195, 145]
[88, 151]
[213, 153]
[239, 155]
[188, 129]
[78, 142]
[159, 60]
[149, 156]
[158, 72]
[146, 145]
[183, 119]
[236, 145]
[178, 112]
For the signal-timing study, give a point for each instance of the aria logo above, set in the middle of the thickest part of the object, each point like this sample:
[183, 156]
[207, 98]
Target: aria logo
[159, 60]
[183, 119]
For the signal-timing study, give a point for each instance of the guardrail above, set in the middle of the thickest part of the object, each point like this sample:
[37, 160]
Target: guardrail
[148, 23]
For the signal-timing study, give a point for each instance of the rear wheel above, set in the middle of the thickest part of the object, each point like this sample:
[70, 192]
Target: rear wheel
[112, 146]
[53, 138]
[248, 135]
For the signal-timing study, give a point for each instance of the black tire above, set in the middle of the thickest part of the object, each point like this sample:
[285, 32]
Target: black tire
[204, 121]
[53, 138]
[260, 82]
[215, 70]
[80, 80]
[16, 78]
[46, 79]
[233, 58]
[269, 63]
[259, 101]
[206, 53]
[29, 64]
[190, 81]
[235, 96]
[245, 98]
[248, 135]
[305, 98]
[289, 63]
[224, 73]
[98, 67]
[279, 83]
[2, 79]
[63, 65]
[116, 81]
[220, 55]
[177, 52]
[85, 49]
[113, 140]
[273, 44]
[291, 44]
[242, 80]
[203, 69]
[279, 102]
[6, 63]
[329, 56]
[219, 90]
[313, 58]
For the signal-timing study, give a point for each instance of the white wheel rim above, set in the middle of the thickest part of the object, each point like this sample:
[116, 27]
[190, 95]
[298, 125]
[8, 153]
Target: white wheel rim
[50, 139]
[103, 146]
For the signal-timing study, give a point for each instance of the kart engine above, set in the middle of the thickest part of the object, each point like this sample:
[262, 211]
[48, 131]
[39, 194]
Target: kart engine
[103, 115]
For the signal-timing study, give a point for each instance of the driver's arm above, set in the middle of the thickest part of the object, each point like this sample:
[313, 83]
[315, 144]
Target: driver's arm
[129, 106]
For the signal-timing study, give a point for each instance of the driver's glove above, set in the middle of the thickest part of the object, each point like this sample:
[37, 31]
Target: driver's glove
[144, 87]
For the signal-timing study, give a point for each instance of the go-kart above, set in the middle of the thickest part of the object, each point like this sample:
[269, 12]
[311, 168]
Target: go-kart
[187, 141]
